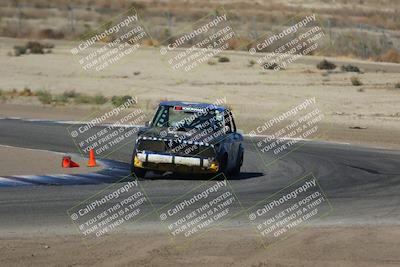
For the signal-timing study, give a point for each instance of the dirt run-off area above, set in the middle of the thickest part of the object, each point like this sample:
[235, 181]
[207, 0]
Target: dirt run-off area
[309, 246]
[24, 161]
[364, 115]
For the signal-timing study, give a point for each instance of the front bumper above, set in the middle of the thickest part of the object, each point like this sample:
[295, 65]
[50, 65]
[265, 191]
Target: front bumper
[162, 162]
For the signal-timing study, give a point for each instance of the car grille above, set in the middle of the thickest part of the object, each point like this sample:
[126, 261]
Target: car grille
[176, 148]
[151, 145]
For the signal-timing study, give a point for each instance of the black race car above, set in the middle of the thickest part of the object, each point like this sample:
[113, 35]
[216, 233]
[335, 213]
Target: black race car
[186, 137]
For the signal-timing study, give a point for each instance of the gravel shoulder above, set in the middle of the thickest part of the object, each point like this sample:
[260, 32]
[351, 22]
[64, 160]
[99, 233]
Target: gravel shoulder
[23, 161]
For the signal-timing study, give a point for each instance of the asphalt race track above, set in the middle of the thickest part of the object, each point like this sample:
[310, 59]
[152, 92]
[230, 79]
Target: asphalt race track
[362, 184]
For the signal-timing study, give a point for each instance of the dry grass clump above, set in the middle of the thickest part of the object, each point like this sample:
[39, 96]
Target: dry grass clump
[68, 97]
[392, 55]
[350, 68]
[355, 81]
[223, 59]
[252, 62]
[270, 66]
[238, 43]
[326, 65]
[33, 47]
[120, 100]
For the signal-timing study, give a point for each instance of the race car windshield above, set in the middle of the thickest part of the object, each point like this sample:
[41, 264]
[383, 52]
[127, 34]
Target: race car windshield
[183, 118]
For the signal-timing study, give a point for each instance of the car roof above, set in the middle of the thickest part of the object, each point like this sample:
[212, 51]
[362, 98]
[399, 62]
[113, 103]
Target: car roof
[193, 105]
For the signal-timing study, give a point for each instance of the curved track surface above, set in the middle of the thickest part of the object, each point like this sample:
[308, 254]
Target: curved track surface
[362, 184]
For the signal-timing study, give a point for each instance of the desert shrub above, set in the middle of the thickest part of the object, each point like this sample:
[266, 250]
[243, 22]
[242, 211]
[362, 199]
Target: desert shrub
[26, 92]
[60, 99]
[33, 48]
[251, 63]
[88, 99]
[392, 55]
[150, 42]
[355, 81]
[99, 99]
[238, 44]
[13, 93]
[50, 34]
[350, 68]
[166, 36]
[19, 50]
[137, 6]
[360, 44]
[223, 59]
[44, 97]
[70, 94]
[326, 65]
[211, 62]
[82, 99]
[270, 66]
[119, 100]
[3, 96]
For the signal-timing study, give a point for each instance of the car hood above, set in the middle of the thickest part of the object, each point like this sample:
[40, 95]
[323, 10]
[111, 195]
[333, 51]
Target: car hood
[182, 136]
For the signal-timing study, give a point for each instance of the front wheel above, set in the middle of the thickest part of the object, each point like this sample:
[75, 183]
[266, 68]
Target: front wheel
[223, 166]
[239, 163]
[138, 172]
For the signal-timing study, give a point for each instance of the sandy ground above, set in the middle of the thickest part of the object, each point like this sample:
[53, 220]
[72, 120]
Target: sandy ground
[22, 161]
[327, 246]
[255, 96]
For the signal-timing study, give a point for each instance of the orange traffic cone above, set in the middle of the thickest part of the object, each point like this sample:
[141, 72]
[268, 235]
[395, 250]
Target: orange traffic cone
[92, 159]
[73, 164]
[68, 163]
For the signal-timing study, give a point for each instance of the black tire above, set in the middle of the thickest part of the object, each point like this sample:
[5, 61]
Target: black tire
[138, 173]
[223, 166]
[239, 163]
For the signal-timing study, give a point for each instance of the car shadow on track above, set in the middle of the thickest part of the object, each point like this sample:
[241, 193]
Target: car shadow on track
[116, 167]
[241, 176]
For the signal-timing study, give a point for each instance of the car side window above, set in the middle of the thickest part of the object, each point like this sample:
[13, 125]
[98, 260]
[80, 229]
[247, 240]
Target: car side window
[233, 122]
[228, 122]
